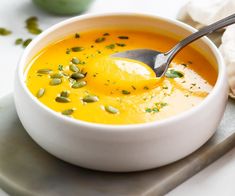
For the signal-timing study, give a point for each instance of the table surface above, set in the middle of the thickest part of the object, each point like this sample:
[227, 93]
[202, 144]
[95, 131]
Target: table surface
[217, 179]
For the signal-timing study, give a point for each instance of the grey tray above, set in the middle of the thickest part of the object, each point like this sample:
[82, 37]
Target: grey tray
[26, 169]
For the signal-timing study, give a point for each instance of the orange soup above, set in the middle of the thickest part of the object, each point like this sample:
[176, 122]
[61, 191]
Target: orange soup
[76, 77]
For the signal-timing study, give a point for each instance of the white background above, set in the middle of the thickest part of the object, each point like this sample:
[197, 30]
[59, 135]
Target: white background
[217, 179]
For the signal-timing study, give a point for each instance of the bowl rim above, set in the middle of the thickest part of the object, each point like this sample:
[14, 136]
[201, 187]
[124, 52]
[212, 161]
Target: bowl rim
[119, 127]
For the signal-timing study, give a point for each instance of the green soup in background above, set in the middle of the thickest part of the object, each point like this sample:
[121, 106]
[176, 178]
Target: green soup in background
[64, 7]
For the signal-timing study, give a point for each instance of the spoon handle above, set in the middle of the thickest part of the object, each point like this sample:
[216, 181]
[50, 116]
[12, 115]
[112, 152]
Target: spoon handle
[203, 31]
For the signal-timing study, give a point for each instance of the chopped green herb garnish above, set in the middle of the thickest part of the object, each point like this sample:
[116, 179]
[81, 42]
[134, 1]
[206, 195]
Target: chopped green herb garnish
[106, 34]
[190, 62]
[68, 51]
[174, 74]
[77, 49]
[155, 110]
[100, 39]
[134, 88]
[111, 46]
[146, 88]
[4, 31]
[149, 110]
[77, 35]
[161, 104]
[123, 37]
[18, 41]
[165, 87]
[60, 67]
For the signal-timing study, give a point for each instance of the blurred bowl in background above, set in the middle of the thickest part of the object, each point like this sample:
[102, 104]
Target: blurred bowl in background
[64, 7]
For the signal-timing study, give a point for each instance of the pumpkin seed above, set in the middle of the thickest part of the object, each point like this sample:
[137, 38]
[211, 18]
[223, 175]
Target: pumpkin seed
[75, 60]
[100, 39]
[90, 98]
[123, 37]
[77, 76]
[120, 44]
[55, 81]
[32, 25]
[111, 46]
[18, 41]
[26, 42]
[125, 92]
[62, 99]
[111, 109]
[79, 84]
[40, 92]
[68, 112]
[77, 49]
[57, 75]
[4, 31]
[73, 68]
[64, 94]
[44, 71]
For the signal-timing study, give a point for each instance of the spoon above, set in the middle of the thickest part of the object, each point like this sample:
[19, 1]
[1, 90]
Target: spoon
[159, 61]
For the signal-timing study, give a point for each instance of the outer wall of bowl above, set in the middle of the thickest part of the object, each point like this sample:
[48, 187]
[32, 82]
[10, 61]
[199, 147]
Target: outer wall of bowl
[120, 148]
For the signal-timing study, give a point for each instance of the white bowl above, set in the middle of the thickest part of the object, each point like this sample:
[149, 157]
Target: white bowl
[122, 147]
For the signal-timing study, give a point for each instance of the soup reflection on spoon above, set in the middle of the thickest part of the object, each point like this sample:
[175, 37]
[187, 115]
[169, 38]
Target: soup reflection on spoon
[121, 76]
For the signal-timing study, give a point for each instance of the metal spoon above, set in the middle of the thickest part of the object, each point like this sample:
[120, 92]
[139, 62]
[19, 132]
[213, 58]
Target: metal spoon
[159, 61]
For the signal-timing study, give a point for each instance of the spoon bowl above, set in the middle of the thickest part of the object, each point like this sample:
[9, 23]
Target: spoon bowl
[160, 61]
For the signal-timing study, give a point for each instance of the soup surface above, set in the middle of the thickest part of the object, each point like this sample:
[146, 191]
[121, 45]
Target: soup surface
[77, 77]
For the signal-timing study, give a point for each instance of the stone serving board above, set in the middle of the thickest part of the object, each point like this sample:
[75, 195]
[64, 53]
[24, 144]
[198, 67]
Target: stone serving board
[26, 169]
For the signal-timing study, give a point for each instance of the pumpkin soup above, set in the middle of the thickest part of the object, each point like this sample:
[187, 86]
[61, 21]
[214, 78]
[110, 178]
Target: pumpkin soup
[77, 77]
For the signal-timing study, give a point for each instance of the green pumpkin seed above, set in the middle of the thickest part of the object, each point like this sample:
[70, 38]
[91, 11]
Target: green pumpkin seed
[77, 49]
[4, 31]
[44, 71]
[62, 99]
[90, 99]
[64, 94]
[18, 41]
[125, 92]
[123, 37]
[79, 84]
[100, 39]
[121, 44]
[26, 42]
[57, 75]
[77, 76]
[40, 92]
[55, 81]
[75, 60]
[68, 112]
[73, 68]
[111, 109]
